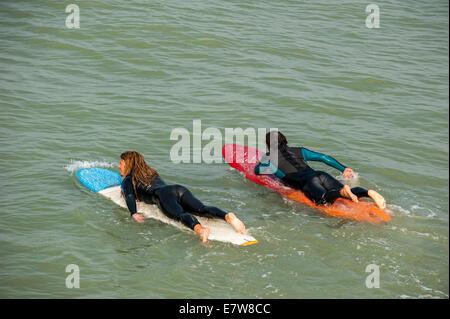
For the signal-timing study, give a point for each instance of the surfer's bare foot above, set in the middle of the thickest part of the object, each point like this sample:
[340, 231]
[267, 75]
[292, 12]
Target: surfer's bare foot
[138, 217]
[203, 232]
[377, 198]
[347, 193]
[235, 222]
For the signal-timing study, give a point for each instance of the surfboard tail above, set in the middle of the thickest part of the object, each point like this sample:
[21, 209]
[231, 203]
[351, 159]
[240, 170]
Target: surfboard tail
[249, 243]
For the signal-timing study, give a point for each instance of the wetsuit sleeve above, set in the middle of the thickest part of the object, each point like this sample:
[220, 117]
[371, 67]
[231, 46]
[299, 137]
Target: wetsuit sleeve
[309, 155]
[130, 199]
[263, 161]
[266, 167]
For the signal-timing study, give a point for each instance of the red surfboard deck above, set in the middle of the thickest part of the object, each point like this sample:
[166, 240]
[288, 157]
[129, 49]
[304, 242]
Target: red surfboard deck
[244, 159]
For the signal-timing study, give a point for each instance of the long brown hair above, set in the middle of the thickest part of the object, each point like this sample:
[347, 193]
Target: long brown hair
[141, 172]
[280, 142]
[277, 138]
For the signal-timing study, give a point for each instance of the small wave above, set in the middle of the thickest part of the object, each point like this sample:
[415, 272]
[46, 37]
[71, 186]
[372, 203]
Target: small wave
[75, 165]
[415, 211]
[352, 182]
[430, 213]
[398, 210]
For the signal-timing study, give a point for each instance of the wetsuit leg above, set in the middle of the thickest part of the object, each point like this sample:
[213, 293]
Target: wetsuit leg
[360, 192]
[167, 199]
[330, 183]
[322, 188]
[315, 191]
[192, 204]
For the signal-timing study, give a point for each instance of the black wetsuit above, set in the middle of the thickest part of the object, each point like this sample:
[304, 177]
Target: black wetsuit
[175, 201]
[293, 170]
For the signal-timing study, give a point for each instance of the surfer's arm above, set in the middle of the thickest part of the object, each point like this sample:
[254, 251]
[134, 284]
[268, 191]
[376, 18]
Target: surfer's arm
[130, 199]
[309, 155]
[266, 167]
[128, 192]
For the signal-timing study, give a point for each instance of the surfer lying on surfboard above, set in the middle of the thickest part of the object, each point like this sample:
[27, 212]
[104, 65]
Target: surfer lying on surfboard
[318, 186]
[141, 182]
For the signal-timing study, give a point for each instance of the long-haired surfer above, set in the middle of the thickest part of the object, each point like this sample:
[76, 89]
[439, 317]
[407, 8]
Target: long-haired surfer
[143, 183]
[292, 168]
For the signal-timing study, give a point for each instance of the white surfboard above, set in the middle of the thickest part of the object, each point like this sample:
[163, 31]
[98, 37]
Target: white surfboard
[107, 183]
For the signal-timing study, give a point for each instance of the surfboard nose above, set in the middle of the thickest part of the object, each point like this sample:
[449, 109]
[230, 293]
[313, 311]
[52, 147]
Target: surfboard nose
[379, 215]
[97, 178]
[383, 215]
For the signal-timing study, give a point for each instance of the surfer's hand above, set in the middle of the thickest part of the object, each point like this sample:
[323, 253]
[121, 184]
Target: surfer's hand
[348, 173]
[138, 217]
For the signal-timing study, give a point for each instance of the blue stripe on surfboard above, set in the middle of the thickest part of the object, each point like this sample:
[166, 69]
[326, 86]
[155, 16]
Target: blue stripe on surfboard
[98, 179]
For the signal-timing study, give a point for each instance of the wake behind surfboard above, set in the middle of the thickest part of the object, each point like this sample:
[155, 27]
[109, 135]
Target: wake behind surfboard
[244, 159]
[107, 183]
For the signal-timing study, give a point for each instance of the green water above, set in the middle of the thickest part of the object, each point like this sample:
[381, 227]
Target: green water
[375, 99]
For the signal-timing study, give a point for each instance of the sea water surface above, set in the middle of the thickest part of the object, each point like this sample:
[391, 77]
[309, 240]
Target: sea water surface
[376, 99]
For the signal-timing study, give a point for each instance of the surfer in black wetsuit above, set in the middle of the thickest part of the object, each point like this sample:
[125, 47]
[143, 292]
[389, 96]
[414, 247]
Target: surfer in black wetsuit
[141, 182]
[290, 165]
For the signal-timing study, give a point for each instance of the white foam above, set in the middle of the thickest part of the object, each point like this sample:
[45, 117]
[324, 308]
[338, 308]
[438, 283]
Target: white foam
[76, 165]
[415, 209]
[353, 181]
[398, 209]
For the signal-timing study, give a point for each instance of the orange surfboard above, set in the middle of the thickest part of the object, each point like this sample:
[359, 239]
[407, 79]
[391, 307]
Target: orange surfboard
[244, 159]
